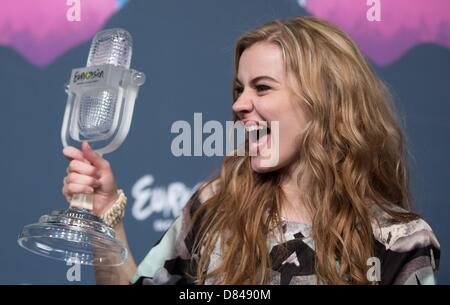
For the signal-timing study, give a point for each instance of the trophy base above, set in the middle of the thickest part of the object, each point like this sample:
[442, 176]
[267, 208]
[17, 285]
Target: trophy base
[74, 235]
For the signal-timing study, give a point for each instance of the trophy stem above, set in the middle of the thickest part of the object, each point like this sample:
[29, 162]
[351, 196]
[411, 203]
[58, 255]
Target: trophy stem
[82, 201]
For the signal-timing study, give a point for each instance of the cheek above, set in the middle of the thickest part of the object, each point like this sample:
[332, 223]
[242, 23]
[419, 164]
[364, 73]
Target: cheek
[293, 121]
[292, 129]
[291, 125]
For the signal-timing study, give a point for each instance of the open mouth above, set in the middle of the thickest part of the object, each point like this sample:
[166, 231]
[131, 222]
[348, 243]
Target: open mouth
[258, 136]
[257, 131]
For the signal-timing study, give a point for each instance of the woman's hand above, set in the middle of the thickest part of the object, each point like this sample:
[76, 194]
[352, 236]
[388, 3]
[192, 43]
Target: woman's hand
[88, 172]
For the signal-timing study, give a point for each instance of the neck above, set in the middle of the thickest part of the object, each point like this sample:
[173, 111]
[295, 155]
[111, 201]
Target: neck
[293, 185]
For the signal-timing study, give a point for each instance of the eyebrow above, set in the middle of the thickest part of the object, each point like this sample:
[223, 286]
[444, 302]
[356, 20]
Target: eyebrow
[256, 79]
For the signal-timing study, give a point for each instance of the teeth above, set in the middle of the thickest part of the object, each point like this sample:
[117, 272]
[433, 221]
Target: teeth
[257, 131]
[251, 128]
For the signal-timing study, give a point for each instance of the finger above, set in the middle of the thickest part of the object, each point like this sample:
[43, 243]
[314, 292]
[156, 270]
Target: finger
[93, 157]
[71, 153]
[82, 168]
[73, 188]
[66, 195]
[82, 179]
[65, 191]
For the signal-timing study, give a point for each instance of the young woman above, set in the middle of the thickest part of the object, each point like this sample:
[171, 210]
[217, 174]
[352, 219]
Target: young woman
[333, 209]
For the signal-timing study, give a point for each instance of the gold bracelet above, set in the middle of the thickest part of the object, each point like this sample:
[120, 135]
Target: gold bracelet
[116, 212]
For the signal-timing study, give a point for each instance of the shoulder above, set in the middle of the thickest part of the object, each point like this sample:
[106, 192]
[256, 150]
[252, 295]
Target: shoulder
[169, 260]
[402, 236]
[409, 251]
[208, 189]
[204, 192]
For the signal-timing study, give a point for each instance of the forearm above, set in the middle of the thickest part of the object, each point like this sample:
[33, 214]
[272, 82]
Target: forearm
[120, 274]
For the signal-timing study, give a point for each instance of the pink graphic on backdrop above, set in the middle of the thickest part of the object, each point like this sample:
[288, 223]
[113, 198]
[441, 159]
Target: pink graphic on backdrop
[40, 31]
[404, 24]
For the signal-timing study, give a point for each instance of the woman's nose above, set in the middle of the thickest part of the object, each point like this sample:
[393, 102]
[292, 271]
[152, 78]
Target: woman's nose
[244, 104]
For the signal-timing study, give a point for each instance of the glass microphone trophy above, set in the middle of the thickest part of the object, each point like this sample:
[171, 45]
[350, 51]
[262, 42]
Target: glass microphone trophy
[99, 110]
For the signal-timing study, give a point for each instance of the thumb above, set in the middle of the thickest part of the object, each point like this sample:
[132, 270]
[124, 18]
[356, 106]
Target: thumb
[93, 156]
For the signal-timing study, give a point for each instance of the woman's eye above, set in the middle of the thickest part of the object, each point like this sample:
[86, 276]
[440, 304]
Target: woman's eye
[262, 88]
[238, 90]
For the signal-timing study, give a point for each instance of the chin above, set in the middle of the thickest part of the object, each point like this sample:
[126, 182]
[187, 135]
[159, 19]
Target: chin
[263, 165]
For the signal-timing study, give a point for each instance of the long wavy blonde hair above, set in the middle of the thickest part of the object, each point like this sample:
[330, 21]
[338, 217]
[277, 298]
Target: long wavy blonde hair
[353, 149]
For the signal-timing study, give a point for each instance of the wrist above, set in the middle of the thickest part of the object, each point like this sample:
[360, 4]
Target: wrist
[114, 215]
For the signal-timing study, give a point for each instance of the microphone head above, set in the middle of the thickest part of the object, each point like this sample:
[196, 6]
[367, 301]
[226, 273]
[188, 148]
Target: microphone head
[97, 107]
[101, 96]
[97, 110]
[112, 46]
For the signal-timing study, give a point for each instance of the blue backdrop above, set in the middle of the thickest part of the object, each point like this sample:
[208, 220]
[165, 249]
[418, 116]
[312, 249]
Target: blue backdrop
[186, 49]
